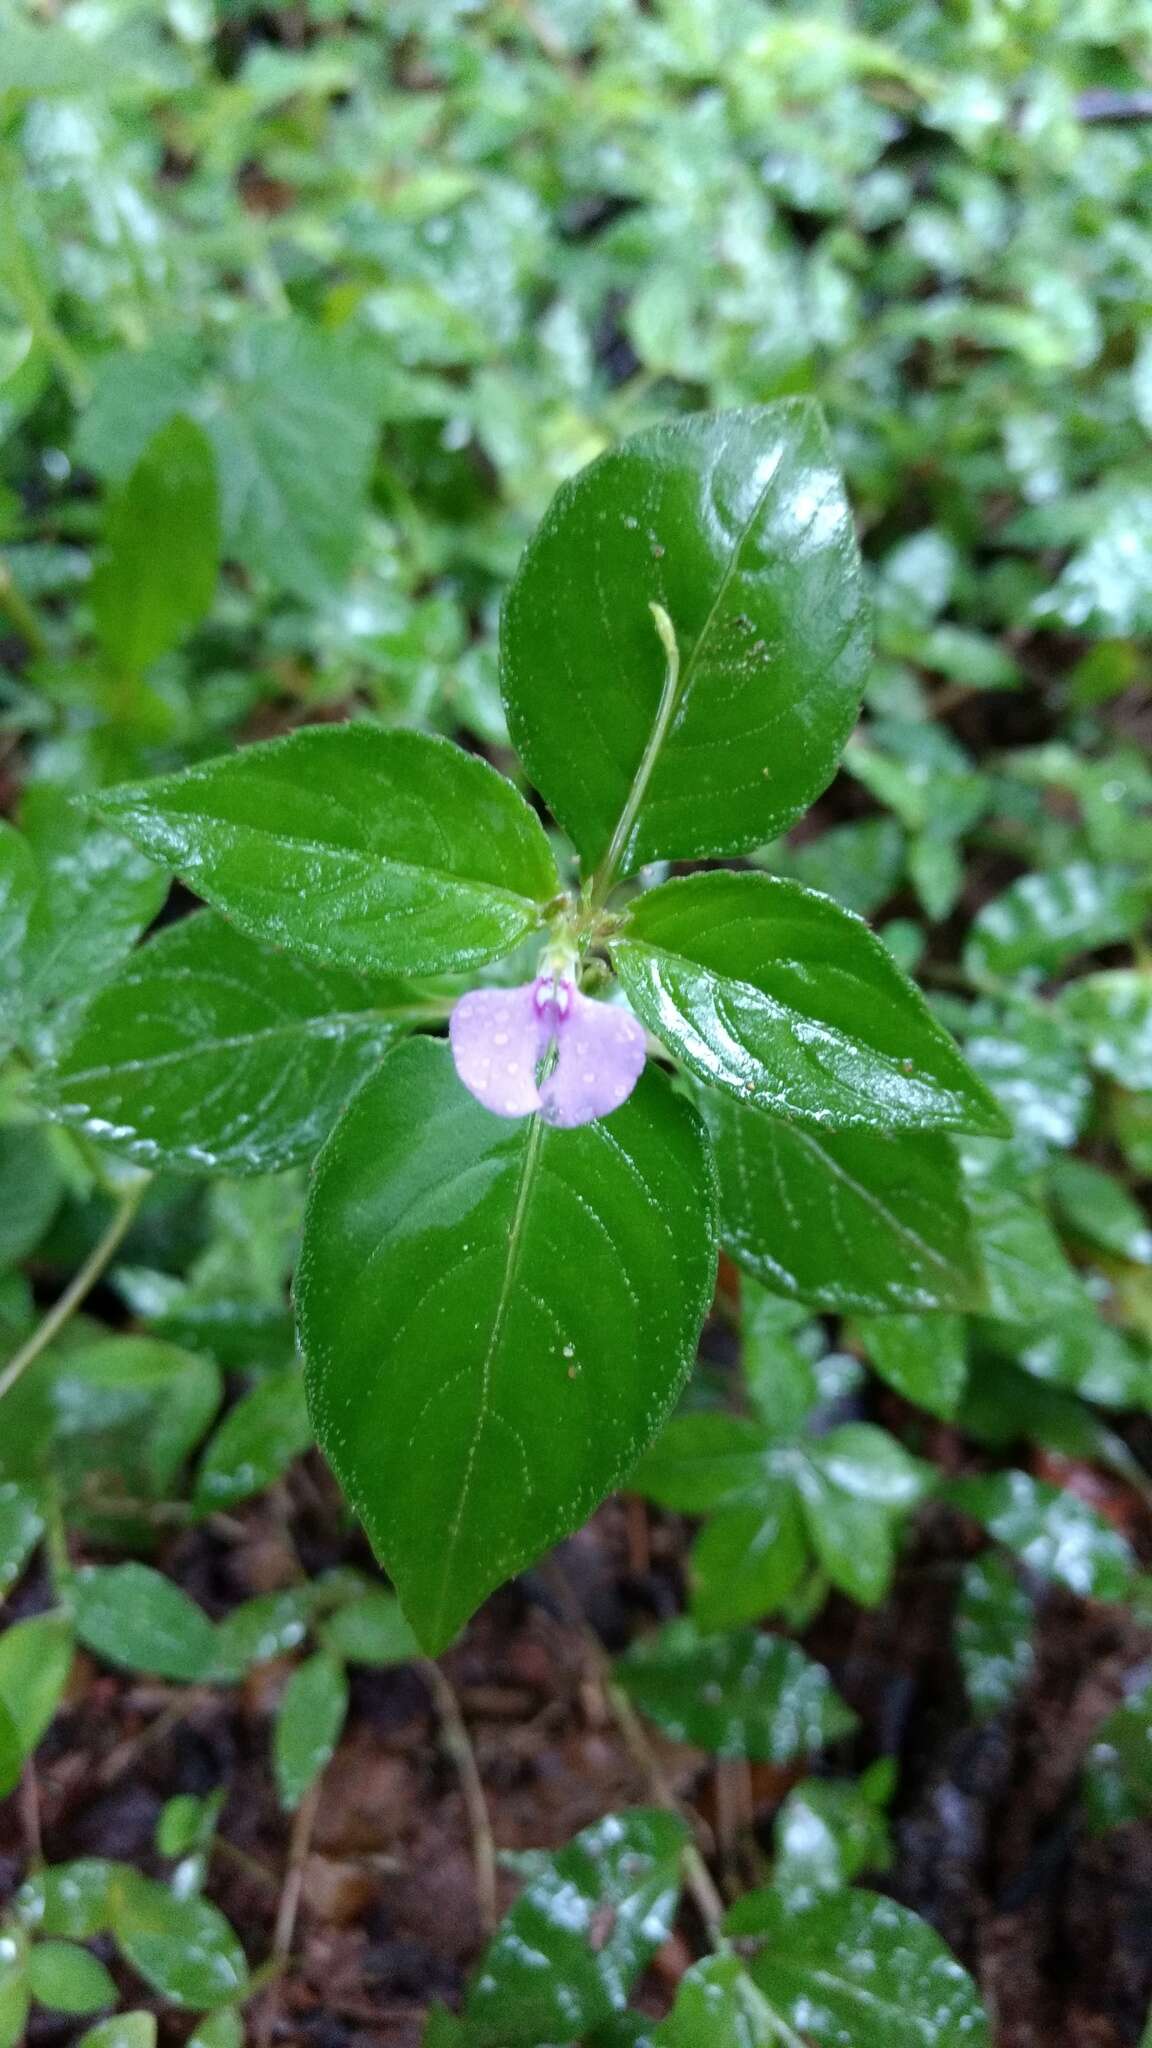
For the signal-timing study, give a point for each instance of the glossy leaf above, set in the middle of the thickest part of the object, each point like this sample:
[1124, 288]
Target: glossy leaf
[256, 1442]
[828, 1832]
[126, 1411]
[211, 1053]
[31, 1189]
[223, 2028]
[136, 1618]
[860, 1969]
[1095, 1206]
[737, 527]
[260, 1629]
[1112, 1015]
[388, 852]
[371, 1629]
[842, 1220]
[35, 1660]
[1118, 1766]
[1052, 1531]
[748, 1560]
[21, 1527]
[1025, 1270]
[923, 1357]
[705, 1461]
[858, 864]
[555, 1283]
[94, 896]
[158, 575]
[1043, 919]
[17, 892]
[718, 2004]
[308, 1724]
[71, 1901]
[587, 1921]
[67, 1979]
[855, 1483]
[995, 1619]
[184, 1948]
[741, 1694]
[124, 2030]
[1027, 1055]
[789, 1003]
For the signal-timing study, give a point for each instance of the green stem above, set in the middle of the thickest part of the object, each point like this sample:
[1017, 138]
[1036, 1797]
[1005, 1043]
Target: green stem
[605, 875]
[14, 603]
[78, 1288]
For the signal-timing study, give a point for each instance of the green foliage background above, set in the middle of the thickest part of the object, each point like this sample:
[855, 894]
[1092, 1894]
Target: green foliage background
[305, 311]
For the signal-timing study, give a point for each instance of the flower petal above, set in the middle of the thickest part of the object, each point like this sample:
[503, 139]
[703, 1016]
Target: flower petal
[498, 1037]
[599, 1061]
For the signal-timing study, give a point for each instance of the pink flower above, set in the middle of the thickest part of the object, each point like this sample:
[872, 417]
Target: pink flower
[502, 1038]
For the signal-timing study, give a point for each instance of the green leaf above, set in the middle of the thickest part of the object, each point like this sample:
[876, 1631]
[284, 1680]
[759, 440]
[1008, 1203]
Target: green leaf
[126, 1412]
[187, 1823]
[1112, 1016]
[94, 896]
[1094, 1206]
[18, 882]
[291, 416]
[1029, 1058]
[1118, 1766]
[255, 1444]
[312, 1714]
[31, 1189]
[741, 1694]
[14, 1996]
[717, 2006]
[11, 1751]
[293, 423]
[1025, 1270]
[210, 1053]
[371, 1629]
[846, 1219]
[828, 1832]
[184, 1948]
[158, 576]
[389, 852]
[791, 1004]
[1050, 1530]
[858, 1968]
[587, 1921]
[705, 1461]
[21, 1527]
[222, 2029]
[995, 1618]
[68, 1979]
[35, 1660]
[854, 1483]
[736, 525]
[748, 1560]
[136, 1618]
[1043, 919]
[858, 864]
[553, 1281]
[124, 2030]
[72, 1900]
[260, 1629]
[923, 1357]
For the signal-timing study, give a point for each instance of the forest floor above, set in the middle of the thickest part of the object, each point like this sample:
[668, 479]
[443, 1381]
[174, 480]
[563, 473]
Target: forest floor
[990, 1844]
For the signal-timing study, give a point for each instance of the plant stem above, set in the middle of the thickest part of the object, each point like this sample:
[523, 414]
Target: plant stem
[605, 875]
[697, 1875]
[20, 613]
[458, 1743]
[289, 1907]
[78, 1288]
